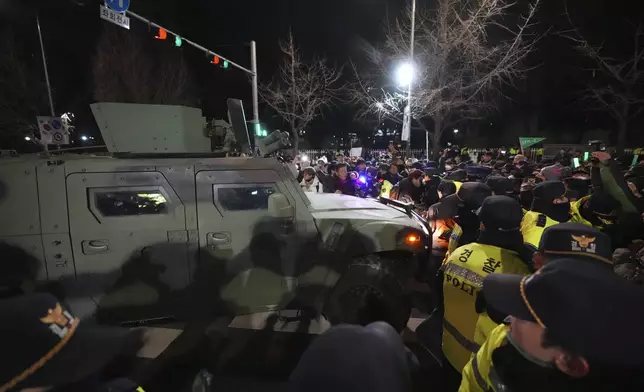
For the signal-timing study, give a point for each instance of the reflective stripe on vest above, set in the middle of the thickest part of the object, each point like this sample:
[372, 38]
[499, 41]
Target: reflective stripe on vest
[477, 374]
[464, 273]
[462, 340]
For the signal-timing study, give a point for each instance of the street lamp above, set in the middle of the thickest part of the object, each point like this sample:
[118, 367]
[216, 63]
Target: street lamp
[84, 138]
[456, 131]
[405, 74]
[27, 138]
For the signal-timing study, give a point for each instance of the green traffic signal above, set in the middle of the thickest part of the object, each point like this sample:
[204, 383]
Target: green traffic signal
[225, 64]
[177, 41]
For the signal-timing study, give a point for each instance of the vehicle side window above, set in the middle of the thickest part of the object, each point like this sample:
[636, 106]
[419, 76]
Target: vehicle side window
[244, 198]
[129, 203]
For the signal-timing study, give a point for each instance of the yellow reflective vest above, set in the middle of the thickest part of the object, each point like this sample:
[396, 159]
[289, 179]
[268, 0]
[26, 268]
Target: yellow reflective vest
[385, 188]
[513, 151]
[464, 271]
[476, 374]
[533, 225]
[539, 151]
[575, 215]
[454, 239]
[458, 185]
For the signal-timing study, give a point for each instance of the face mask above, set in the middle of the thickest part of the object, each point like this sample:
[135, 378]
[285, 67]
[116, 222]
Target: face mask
[466, 218]
[514, 372]
[559, 212]
[526, 355]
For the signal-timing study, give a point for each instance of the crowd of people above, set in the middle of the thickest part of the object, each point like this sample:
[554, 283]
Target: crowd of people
[537, 272]
[537, 266]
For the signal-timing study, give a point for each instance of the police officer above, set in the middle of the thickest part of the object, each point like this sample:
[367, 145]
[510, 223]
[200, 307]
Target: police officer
[596, 210]
[549, 207]
[500, 185]
[497, 250]
[46, 347]
[584, 247]
[389, 179]
[462, 206]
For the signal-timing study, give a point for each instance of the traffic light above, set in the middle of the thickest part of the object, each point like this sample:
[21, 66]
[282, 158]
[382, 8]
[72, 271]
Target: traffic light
[225, 64]
[177, 41]
[258, 129]
[215, 60]
[162, 34]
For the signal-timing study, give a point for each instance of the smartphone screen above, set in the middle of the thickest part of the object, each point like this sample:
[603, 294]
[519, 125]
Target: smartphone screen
[635, 158]
[575, 162]
[586, 155]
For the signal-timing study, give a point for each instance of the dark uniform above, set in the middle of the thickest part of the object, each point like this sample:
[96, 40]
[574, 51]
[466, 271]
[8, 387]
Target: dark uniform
[50, 348]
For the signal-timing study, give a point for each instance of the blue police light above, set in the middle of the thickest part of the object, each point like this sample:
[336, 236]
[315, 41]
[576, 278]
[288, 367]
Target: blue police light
[362, 179]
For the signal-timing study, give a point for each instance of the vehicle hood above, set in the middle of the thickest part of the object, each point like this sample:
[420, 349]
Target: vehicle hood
[342, 207]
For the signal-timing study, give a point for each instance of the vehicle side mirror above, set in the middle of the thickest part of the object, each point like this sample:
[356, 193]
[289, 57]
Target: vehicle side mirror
[279, 207]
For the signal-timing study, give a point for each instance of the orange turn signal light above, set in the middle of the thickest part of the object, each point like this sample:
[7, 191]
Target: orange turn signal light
[412, 239]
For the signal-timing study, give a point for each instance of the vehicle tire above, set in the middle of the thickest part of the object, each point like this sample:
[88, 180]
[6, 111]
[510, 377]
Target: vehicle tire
[372, 289]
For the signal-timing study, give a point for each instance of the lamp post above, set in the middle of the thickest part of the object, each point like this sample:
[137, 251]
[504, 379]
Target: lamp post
[405, 75]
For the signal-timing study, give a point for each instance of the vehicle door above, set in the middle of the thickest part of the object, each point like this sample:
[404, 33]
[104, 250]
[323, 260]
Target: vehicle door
[129, 240]
[250, 252]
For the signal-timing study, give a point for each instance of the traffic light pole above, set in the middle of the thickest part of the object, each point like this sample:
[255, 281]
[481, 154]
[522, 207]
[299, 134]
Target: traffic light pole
[253, 67]
[253, 59]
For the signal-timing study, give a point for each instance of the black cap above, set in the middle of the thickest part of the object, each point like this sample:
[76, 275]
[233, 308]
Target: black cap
[470, 195]
[457, 175]
[576, 240]
[549, 190]
[501, 213]
[585, 307]
[46, 346]
[447, 188]
[354, 358]
[500, 185]
[602, 203]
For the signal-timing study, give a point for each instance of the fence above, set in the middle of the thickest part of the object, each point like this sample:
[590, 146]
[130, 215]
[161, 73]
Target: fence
[530, 153]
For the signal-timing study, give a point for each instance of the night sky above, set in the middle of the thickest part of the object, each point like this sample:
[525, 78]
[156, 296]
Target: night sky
[339, 29]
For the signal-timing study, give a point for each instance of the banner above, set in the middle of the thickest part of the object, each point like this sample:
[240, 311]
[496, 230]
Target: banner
[530, 141]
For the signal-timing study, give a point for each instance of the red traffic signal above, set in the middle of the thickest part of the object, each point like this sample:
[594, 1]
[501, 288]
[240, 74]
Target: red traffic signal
[162, 34]
[215, 60]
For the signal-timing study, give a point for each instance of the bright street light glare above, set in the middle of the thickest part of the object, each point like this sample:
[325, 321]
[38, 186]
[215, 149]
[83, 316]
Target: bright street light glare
[456, 131]
[405, 74]
[83, 138]
[27, 138]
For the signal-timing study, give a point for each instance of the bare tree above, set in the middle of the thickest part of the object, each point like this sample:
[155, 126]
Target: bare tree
[458, 67]
[126, 69]
[618, 83]
[301, 90]
[23, 93]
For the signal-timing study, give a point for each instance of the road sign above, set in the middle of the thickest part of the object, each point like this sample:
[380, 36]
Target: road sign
[52, 130]
[118, 5]
[117, 18]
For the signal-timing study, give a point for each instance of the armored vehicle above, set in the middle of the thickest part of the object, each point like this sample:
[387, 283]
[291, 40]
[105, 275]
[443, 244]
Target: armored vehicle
[161, 229]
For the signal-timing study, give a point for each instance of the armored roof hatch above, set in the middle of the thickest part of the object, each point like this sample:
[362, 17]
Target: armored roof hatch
[130, 127]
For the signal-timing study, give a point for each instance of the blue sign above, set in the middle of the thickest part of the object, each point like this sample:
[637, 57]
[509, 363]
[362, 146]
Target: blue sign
[118, 5]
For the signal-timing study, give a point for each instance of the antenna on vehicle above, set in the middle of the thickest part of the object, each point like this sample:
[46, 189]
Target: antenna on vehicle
[237, 120]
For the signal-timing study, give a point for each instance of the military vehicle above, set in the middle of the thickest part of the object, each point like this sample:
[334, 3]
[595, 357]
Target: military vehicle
[161, 229]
